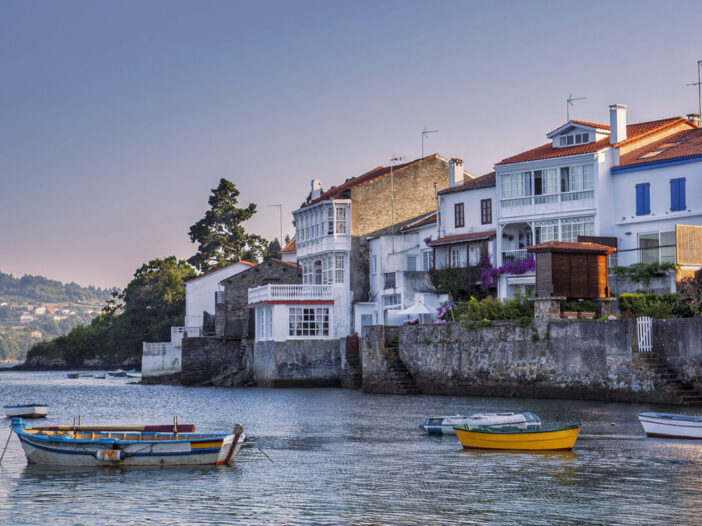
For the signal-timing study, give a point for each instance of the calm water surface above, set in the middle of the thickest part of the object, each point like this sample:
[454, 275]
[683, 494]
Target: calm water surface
[344, 457]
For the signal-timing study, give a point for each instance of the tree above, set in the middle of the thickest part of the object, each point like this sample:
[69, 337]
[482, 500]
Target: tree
[220, 237]
[273, 249]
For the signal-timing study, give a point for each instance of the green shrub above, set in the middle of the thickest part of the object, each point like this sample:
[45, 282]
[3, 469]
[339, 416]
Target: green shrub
[518, 308]
[656, 306]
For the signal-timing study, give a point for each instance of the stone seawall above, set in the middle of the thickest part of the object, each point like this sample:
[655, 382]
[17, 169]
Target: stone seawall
[215, 361]
[561, 359]
[297, 363]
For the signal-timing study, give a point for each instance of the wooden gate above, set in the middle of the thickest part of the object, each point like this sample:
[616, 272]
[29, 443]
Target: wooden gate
[643, 326]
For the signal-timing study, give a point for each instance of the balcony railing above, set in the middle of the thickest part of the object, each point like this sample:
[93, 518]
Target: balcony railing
[514, 256]
[289, 293]
[178, 333]
[548, 200]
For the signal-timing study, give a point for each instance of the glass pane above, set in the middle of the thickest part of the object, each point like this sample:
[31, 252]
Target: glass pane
[667, 247]
[648, 244]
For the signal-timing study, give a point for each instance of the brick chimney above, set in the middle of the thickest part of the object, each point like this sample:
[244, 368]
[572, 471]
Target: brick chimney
[316, 191]
[456, 173]
[617, 123]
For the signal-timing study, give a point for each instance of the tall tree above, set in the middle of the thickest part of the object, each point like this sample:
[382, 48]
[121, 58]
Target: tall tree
[273, 249]
[220, 237]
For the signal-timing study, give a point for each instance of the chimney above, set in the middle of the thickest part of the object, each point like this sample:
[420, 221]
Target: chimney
[316, 191]
[455, 172]
[694, 118]
[617, 123]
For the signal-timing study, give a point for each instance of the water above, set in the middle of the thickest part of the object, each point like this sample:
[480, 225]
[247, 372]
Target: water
[344, 457]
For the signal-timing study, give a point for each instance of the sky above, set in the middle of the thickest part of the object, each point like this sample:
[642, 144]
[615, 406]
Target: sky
[117, 119]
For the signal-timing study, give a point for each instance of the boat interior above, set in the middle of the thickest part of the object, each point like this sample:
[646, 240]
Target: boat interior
[127, 435]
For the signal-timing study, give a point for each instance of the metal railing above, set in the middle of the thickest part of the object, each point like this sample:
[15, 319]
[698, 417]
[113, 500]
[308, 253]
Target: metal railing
[643, 327]
[513, 256]
[289, 292]
[155, 348]
[563, 197]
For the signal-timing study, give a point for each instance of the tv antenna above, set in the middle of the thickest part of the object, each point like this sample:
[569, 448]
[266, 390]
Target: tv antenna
[426, 132]
[569, 104]
[394, 159]
[699, 87]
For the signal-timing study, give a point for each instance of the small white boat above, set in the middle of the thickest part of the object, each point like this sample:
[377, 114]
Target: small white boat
[668, 425]
[133, 374]
[27, 410]
[119, 373]
[443, 425]
[99, 376]
[72, 376]
[125, 445]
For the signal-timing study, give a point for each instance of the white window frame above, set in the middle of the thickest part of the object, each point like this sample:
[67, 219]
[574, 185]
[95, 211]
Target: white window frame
[411, 263]
[427, 259]
[309, 322]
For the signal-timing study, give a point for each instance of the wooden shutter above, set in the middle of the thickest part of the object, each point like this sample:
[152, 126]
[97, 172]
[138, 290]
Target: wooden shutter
[688, 245]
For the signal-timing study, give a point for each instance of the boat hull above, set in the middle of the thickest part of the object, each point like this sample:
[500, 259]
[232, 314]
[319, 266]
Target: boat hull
[531, 440]
[444, 425]
[26, 411]
[667, 425]
[188, 449]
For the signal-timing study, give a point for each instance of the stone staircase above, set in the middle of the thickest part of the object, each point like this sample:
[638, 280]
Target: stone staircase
[355, 379]
[685, 392]
[401, 377]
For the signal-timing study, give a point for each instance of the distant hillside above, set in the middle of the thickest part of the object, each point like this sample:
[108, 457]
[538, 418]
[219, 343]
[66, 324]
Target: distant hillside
[35, 309]
[39, 288]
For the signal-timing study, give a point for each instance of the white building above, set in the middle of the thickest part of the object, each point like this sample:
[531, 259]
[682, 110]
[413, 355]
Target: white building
[466, 234]
[565, 188]
[201, 291]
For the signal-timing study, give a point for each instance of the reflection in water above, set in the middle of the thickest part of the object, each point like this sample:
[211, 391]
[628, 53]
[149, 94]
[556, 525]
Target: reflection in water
[341, 456]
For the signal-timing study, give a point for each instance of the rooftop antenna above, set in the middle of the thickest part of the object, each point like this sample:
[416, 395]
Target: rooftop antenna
[426, 132]
[569, 104]
[699, 87]
[393, 160]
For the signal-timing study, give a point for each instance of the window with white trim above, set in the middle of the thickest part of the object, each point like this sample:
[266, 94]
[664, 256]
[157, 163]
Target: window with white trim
[411, 263]
[340, 219]
[339, 268]
[308, 322]
[657, 247]
[374, 264]
[392, 302]
[427, 260]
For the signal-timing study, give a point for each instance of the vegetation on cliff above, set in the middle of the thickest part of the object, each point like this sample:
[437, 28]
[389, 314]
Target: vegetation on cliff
[144, 311]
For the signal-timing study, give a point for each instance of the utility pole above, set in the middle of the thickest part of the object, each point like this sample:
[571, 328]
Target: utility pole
[699, 88]
[393, 160]
[280, 209]
[426, 132]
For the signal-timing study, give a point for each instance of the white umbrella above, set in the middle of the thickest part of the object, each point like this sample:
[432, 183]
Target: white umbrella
[417, 308]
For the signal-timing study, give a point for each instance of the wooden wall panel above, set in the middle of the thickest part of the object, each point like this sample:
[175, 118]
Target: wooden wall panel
[578, 276]
[544, 285]
[560, 270]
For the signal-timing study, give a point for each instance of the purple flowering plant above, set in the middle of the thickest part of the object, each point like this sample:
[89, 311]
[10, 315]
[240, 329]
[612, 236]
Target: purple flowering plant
[490, 275]
[445, 313]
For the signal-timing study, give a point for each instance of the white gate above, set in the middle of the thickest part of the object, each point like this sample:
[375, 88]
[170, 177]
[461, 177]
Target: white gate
[643, 326]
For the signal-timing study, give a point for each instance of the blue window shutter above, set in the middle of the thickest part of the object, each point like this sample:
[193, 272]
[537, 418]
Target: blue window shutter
[681, 194]
[639, 199]
[674, 195]
[646, 198]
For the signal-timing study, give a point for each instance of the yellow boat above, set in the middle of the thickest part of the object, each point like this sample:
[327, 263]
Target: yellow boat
[480, 437]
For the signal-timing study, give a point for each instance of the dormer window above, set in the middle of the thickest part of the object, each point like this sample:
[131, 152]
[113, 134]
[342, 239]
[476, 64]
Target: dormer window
[574, 138]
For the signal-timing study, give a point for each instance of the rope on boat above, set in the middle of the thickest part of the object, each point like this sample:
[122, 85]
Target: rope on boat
[264, 454]
[9, 435]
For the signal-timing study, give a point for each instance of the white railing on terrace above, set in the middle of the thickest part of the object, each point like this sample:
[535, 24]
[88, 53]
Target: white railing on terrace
[513, 256]
[528, 201]
[178, 333]
[289, 292]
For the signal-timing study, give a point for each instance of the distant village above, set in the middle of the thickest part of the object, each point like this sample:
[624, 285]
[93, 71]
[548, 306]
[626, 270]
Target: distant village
[364, 250]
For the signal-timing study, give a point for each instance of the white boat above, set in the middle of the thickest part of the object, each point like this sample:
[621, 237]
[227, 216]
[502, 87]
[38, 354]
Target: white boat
[130, 446]
[668, 425]
[99, 376]
[133, 374]
[443, 425]
[27, 410]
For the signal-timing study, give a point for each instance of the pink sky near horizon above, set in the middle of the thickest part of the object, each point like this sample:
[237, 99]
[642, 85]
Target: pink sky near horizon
[119, 118]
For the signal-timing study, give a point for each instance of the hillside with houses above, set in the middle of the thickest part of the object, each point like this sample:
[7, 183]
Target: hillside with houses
[35, 309]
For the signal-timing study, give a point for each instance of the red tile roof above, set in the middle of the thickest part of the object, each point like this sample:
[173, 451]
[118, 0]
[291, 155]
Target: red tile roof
[428, 220]
[283, 262]
[683, 144]
[634, 132]
[484, 181]
[569, 247]
[218, 269]
[338, 191]
[462, 238]
[290, 247]
[591, 124]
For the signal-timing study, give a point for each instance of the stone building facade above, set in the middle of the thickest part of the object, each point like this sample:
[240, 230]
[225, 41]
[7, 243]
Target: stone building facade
[233, 318]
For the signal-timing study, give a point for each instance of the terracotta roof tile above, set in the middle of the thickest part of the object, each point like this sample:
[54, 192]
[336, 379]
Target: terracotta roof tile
[463, 238]
[591, 124]
[484, 181]
[428, 220]
[338, 191]
[570, 247]
[290, 247]
[634, 132]
[679, 146]
[218, 269]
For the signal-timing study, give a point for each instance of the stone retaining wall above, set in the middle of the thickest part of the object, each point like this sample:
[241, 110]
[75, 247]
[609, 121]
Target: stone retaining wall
[215, 361]
[297, 363]
[560, 359]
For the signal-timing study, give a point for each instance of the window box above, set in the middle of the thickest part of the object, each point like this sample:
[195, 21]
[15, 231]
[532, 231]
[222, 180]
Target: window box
[569, 315]
[586, 315]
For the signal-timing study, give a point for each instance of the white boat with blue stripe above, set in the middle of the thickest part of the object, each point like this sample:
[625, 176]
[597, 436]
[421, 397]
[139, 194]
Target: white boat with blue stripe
[125, 445]
[27, 410]
[670, 425]
[443, 425]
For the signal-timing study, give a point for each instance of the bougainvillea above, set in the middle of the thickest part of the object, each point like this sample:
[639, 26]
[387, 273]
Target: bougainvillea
[490, 275]
[445, 313]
